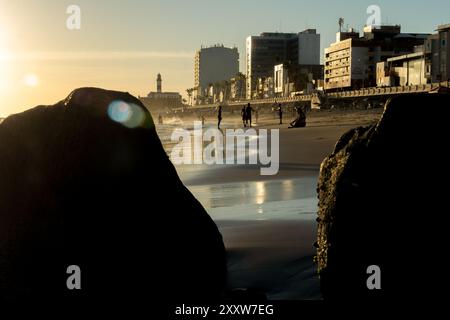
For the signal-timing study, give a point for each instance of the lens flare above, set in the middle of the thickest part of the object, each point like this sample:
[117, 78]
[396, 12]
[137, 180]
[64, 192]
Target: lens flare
[127, 114]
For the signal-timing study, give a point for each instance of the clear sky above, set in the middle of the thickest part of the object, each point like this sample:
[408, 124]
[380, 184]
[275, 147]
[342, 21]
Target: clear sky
[123, 44]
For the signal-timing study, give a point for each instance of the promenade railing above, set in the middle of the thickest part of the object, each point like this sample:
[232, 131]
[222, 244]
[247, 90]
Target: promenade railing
[365, 92]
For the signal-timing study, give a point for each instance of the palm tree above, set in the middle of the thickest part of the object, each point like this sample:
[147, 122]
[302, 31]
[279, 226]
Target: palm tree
[189, 92]
[225, 85]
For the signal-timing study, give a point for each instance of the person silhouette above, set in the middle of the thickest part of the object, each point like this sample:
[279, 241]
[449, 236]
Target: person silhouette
[300, 121]
[244, 116]
[248, 112]
[219, 117]
[280, 113]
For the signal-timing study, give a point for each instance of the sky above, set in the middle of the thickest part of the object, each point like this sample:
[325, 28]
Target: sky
[122, 45]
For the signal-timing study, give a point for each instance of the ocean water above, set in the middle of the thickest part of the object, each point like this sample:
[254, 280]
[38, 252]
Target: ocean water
[166, 129]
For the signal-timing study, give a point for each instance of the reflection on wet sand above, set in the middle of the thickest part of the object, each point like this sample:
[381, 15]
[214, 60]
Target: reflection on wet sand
[290, 199]
[268, 228]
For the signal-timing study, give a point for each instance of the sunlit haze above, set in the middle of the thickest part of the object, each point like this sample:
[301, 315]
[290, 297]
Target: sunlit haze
[122, 45]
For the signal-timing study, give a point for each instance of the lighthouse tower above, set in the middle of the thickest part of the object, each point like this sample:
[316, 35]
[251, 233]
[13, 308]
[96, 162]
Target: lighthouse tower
[159, 100]
[158, 83]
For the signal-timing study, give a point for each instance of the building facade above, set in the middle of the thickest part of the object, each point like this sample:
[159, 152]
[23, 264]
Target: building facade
[281, 80]
[346, 64]
[437, 51]
[429, 63]
[265, 51]
[289, 79]
[444, 52]
[404, 70]
[237, 88]
[213, 65]
[351, 62]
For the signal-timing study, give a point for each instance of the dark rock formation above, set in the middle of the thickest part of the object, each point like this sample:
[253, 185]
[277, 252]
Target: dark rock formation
[382, 196]
[77, 188]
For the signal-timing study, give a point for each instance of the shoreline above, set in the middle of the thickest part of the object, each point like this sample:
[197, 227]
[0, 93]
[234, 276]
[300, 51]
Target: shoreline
[301, 150]
[268, 223]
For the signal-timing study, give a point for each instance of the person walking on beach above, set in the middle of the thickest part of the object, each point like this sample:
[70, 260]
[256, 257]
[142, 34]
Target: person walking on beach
[244, 116]
[280, 113]
[248, 112]
[219, 117]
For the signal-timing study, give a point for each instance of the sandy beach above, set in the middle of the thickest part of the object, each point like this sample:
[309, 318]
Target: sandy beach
[268, 222]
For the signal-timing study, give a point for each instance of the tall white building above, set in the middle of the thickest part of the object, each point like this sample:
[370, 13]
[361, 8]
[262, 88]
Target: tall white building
[213, 65]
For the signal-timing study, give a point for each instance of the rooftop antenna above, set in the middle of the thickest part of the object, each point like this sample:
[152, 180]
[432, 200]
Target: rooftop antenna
[341, 23]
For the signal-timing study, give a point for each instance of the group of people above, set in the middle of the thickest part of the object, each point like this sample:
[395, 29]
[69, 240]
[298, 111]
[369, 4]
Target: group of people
[246, 114]
[247, 110]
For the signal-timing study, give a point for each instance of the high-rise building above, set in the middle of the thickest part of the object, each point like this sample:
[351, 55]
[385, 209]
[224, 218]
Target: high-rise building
[351, 62]
[267, 50]
[213, 65]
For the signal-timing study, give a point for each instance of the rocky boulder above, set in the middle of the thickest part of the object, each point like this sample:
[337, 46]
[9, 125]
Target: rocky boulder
[382, 201]
[87, 182]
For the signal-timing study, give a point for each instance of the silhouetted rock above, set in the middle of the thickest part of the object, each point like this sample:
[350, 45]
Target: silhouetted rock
[382, 195]
[77, 188]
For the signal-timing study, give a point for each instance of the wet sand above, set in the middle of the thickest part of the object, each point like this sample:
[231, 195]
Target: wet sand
[268, 222]
[268, 229]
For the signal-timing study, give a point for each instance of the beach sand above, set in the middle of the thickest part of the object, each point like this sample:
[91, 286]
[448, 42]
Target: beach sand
[268, 222]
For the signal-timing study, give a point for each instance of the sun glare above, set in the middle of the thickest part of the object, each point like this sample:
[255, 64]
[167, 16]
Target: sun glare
[31, 80]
